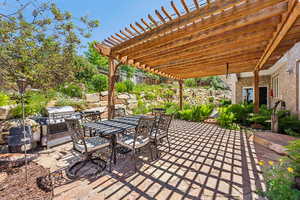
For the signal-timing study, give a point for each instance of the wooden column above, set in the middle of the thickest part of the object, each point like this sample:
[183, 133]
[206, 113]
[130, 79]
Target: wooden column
[180, 94]
[256, 91]
[111, 87]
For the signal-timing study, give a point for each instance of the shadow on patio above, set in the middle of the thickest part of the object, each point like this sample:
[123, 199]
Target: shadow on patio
[205, 162]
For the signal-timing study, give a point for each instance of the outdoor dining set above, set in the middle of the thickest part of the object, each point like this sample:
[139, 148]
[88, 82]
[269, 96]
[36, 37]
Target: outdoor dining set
[122, 134]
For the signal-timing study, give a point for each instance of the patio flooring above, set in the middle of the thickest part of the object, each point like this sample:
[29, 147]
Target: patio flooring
[205, 162]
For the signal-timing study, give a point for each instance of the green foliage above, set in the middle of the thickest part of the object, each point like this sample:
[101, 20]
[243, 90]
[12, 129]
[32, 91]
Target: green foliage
[141, 108]
[293, 150]
[262, 117]
[227, 119]
[35, 103]
[66, 101]
[214, 82]
[98, 83]
[186, 114]
[225, 102]
[125, 86]
[72, 90]
[172, 109]
[84, 69]
[168, 95]
[191, 82]
[279, 182]
[150, 96]
[95, 58]
[241, 112]
[4, 99]
[202, 112]
[39, 43]
[289, 125]
[129, 70]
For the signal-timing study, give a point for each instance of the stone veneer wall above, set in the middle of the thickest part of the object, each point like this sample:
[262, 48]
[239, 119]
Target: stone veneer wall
[288, 80]
[264, 81]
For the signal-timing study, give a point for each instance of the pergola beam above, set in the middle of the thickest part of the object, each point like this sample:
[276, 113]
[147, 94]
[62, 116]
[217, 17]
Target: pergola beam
[282, 30]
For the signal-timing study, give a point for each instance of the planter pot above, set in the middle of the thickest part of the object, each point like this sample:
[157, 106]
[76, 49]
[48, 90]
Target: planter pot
[297, 182]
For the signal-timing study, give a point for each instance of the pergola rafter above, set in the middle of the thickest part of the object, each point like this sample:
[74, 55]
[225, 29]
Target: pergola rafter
[211, 38]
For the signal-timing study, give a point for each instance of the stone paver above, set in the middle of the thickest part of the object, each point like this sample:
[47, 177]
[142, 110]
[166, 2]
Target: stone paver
[205, 162]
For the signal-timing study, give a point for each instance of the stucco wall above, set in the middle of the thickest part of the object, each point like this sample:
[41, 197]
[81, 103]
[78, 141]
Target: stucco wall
[264, 81]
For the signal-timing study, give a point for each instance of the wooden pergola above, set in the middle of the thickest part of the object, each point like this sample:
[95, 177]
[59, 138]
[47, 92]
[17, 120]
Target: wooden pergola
[211, 37]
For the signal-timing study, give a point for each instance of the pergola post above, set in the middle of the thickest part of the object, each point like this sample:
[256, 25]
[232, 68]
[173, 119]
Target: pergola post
[256, 91]
[180, 94]
[111, 87]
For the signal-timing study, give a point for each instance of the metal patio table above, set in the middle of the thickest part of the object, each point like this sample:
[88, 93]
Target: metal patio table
[110, 128]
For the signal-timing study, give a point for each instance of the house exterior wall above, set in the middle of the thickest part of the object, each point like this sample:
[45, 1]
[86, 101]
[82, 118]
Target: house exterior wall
[264, 81]
[287, 70]
[288, 80]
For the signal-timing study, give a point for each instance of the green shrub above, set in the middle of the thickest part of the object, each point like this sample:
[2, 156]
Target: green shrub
[280, 183]
[241, 112]
[35, 103]
[150, 96]
[227, 119]
[72, 90]
[186, 114]
[293, 150]
[289, 125]
[125, 86]
[225, 102]
[141, 108]
[172, 109]
[129, 85]
[77, 104]
[99, 83]
[202, 112]
[262, 117]
[191, 82]
[4, 99]
[168, 95]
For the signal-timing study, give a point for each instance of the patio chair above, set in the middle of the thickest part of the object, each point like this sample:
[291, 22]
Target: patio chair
[158, 111]
[161, 131]
[119, 112]
[86, 146]
[91, 117]
[139, 138]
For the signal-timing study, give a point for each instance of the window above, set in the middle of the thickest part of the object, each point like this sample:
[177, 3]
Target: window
[275, 86]
[248, 95]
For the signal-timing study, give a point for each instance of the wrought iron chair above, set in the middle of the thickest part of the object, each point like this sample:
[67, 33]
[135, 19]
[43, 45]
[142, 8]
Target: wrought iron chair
[119, 112]
[139, 138]
[91, 117]
[87, 146]
[161, 131]
[158, 111]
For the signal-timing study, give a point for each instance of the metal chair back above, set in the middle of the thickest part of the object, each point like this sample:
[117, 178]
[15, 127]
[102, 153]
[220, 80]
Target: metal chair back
[77, 132]
[92, 117]
[163, 124]
[143, 129]
[119, 112]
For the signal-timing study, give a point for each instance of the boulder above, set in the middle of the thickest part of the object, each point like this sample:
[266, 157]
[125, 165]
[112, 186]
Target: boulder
[103, 103]
[105, 93]
[120, 106]
[121, 101]
[51, 103]
[93, 105]
[5, 111]
[92, 98]
[131, 106]
[99, 109]
[123, 96]
[104, 98]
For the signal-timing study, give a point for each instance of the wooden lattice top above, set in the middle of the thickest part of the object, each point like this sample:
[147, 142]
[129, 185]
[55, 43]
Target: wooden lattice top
[208, 38]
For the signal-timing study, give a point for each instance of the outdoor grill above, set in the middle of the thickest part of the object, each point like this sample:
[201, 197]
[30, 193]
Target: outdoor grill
[54, 128]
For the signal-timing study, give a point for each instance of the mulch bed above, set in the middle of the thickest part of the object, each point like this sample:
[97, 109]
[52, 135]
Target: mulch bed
[14, 186]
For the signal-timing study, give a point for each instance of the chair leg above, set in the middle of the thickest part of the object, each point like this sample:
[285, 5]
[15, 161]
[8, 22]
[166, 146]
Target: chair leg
[134, 158]
[169, 143]
[151, 153]
[156, 149]
[111, 159]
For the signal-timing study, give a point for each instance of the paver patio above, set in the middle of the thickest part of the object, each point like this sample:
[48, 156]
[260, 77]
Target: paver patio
[205, 162]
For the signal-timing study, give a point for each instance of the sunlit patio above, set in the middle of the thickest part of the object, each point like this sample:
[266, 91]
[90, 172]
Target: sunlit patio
[205, 162]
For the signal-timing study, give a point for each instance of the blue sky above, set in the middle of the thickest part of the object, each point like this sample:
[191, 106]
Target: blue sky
[114, 15]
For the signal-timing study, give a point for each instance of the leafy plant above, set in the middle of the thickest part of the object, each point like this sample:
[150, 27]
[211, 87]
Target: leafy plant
[280, 182]
[72, 90]
[168, 95]
[35, 103]
[186, 114]
[141, 108]
[227, 119]
[293, 150]
[289, 124]
[191, 82]
[262, 117]
[201, 112]
[4, 99]
[99, 82]
[125, 86]
[65, 101]
[225, 102]
[241, 112]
